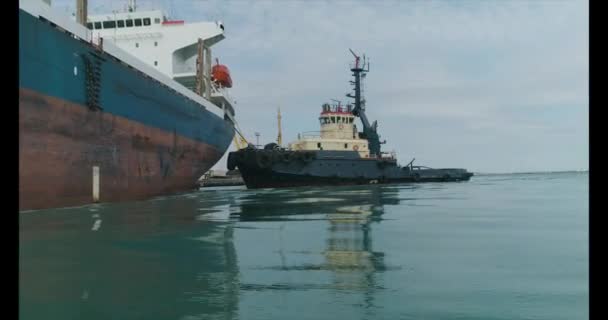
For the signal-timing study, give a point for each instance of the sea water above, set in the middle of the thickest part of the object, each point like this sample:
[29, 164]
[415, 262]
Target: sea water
[496, 247]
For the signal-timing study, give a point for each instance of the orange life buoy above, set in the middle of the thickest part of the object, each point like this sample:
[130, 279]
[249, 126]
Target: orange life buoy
[356, 147]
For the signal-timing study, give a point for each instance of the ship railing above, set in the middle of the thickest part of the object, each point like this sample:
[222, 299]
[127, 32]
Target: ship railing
[337, 108]
[139, 35]
[228, 102]
[389, 155]
[222, 91]
[310, 135]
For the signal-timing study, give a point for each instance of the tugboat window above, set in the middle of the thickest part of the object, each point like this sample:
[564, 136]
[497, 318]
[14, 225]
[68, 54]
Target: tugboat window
[120, 23]
[146, 21]
[90, 25]
[138, 22]
[346, 146]
[129, 22]
[157, 20]
[333, 119]
[319, 145]
[97, 25]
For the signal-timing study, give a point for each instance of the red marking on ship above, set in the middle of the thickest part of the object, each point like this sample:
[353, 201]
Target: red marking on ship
[173, 22]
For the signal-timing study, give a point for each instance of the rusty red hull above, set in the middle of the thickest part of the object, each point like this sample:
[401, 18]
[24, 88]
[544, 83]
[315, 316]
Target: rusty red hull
[60, 142]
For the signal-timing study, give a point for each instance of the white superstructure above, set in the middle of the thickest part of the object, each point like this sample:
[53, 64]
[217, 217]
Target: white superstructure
[169, 46]
[162, 49]
[338, 133]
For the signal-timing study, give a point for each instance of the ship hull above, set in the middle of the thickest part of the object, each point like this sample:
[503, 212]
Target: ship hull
[280, 169]
[145, 140]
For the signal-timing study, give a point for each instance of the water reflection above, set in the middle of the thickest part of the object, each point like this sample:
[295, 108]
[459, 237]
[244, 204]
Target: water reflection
[270, 254]
[348, 255]
[366, 201]
[177, 258]
[147, 260]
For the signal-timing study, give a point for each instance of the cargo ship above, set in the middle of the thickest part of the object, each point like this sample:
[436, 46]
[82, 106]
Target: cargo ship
[117, 107]
[339, 155]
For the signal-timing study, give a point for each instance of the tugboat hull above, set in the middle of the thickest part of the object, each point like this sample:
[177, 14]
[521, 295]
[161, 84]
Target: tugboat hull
[281, 168]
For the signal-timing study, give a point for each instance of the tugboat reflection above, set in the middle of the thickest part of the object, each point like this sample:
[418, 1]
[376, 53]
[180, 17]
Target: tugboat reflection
[348, 253]
[307, 203]
[184, 257]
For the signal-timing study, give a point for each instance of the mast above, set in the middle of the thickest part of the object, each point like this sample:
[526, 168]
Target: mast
[81, 12]
[132, 5]
[369, 130]
[280, 136]
[199, 68]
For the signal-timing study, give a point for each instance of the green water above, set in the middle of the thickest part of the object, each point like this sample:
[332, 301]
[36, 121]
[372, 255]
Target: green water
[496, 247]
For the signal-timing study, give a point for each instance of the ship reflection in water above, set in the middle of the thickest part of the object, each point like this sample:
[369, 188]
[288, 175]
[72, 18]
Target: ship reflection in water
[141, 260]
[424, 251]
[180, 257]
[322, 246]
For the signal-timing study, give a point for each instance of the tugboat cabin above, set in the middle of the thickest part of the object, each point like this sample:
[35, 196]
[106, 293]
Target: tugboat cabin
[338, 132]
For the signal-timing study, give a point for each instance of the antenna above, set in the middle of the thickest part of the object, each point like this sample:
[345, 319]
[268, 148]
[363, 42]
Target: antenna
[132, 5]
[280, 136]
[356, 58]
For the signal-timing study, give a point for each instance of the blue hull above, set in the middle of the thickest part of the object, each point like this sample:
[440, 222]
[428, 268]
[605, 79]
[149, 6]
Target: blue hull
[48, 58]
[144, 139]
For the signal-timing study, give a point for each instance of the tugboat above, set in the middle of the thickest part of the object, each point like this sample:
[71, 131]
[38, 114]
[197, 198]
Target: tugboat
[340, 155]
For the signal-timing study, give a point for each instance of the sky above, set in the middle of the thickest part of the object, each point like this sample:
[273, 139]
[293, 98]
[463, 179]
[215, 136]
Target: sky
[490, 86]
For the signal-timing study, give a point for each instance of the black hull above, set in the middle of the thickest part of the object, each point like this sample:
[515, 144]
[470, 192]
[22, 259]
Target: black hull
[283, 169]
